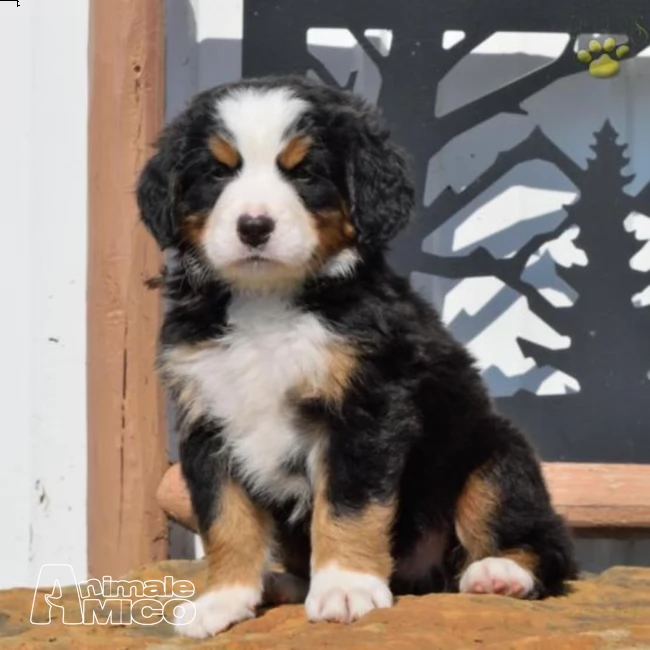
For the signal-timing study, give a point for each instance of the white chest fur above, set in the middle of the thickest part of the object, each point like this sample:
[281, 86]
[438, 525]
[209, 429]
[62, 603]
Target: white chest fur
[244, 379]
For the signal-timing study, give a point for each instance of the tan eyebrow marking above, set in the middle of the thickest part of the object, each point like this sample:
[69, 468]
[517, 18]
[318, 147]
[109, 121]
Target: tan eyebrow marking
[294, 152]
[224, 151]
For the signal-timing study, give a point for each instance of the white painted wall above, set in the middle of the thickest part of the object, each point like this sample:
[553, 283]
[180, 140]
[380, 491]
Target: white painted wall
[43, 127]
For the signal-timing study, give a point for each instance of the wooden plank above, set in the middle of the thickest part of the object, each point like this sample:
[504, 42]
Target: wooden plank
[127, 448]
[605, 500]
[601, 495]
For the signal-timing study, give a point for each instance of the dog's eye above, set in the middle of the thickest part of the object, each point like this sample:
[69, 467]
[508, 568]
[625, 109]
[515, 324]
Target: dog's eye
[219, 170]
[301, 172]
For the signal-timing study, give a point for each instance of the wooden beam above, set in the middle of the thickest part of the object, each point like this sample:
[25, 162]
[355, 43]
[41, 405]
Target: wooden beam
[599, 496]
[597, 500]
[127, 441]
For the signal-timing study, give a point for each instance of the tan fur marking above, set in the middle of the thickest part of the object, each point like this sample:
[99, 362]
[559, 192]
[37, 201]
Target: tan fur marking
[341, 365]
[192, 227]
[355, 542]
[236, 545]
[474, 510]
[525, 559]
[348, 229]
[294, 152]
[224, 151]
[335, 232]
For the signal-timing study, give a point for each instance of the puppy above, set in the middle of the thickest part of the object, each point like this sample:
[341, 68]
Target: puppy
[325, 411]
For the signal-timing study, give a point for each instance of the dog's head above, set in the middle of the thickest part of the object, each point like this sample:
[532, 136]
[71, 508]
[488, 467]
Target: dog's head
[266, 182]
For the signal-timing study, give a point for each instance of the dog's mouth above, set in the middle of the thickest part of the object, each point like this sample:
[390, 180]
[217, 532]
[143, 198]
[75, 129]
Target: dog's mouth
[259, 273]
[257, 262]
[256, 258]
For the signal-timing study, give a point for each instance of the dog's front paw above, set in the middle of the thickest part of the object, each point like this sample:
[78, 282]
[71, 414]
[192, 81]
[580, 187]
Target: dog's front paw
[344, 596]
[216, 611]
[497, 575]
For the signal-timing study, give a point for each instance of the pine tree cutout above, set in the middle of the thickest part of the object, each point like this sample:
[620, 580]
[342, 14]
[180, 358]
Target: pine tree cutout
[609, 353]
[603, 320]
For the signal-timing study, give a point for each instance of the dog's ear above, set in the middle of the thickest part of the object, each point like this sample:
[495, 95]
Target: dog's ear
[380, 189]
[155, 194]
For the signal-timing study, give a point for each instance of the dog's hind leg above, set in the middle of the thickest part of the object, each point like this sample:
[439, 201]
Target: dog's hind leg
[514, 542]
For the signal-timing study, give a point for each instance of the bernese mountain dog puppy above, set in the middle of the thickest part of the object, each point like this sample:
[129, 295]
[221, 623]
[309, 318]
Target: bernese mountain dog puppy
[327, 415]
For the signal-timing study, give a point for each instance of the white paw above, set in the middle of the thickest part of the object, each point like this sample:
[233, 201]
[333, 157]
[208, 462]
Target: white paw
[216, 611]
[344, 596]
[497, 575]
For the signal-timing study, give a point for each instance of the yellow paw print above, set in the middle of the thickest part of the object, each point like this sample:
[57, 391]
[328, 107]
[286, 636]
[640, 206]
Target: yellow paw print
[603, 59]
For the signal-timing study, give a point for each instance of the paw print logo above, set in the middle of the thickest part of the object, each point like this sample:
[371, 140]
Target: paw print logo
[603, 58]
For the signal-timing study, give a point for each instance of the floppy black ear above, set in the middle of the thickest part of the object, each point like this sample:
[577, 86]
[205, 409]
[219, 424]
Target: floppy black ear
[381, 191]
[155, 194]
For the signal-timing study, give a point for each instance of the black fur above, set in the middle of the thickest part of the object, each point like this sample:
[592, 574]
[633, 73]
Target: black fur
[417, 420]
[203, 466]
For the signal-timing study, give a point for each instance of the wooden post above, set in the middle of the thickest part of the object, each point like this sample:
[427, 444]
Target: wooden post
[127, 440]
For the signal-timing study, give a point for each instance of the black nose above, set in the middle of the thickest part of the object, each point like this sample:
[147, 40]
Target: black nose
[254, 231]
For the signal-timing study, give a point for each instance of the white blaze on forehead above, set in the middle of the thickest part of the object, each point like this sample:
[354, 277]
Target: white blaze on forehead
[260, 122]
[259, 119]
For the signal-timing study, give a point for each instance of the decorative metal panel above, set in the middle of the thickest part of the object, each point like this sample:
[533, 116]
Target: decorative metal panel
[532, 168]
